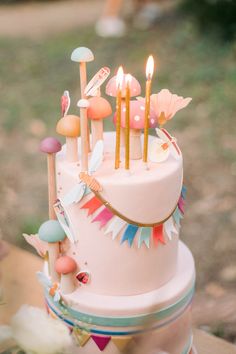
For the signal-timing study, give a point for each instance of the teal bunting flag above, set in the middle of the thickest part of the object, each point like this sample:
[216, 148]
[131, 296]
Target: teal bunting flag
[177, 216]
[144, 237]
[129, 234]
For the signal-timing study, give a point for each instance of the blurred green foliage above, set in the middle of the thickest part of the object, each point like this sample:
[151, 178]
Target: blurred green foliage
[217, 16]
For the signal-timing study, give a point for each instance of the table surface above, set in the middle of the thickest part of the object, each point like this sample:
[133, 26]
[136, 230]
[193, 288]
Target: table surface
[21, 287]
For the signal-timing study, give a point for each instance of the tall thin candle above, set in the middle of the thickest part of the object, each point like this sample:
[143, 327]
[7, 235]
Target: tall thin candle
[119, 81]
[128, 79]
[149, 74]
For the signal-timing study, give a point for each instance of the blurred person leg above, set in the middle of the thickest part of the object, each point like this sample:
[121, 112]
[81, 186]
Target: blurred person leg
[148, 13]
[111, 24]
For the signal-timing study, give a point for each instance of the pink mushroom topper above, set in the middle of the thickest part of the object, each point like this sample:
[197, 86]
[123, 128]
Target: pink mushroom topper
[137, 118]
[135, 88]
[66, 266]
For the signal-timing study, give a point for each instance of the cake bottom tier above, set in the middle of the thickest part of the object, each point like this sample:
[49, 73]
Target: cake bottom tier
[155, 322]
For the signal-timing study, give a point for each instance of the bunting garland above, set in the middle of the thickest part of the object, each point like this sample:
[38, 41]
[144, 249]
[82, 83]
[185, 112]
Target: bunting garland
[114, 224]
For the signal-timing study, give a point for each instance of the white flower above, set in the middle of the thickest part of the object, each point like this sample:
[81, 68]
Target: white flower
[36, 332]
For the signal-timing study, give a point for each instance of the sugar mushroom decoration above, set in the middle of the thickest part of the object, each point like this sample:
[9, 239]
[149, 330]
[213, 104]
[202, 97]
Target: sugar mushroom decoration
[69, 126]
[137, 118]
[83, 104]
[83, 55]
[134, 89]
[52, 233]
[66, 266]
[99, 109]
[51, 146]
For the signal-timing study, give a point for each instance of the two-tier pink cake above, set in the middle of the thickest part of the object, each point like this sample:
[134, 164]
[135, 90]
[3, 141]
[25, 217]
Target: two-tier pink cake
[115, 271]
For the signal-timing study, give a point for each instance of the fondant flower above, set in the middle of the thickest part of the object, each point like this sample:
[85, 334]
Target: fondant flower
[35, 332]
[34, 241]
[166, 105]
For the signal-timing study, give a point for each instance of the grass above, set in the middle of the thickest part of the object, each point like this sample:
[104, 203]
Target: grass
[33, 77]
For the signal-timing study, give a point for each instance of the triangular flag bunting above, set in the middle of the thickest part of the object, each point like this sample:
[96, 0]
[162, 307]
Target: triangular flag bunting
[169, 228]
[129, 234]
[158, 234]
[177, 216]
[81, 336]
[115, 226]
[144, 236]
[103, 217]
[121, 342]
[184, 192]
[181, 205]
[92, 205]
[101, 341]
[87, 191]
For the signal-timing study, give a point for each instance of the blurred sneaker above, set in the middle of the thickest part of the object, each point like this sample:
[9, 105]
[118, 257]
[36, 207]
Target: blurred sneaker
[147, 16]
[110, 27]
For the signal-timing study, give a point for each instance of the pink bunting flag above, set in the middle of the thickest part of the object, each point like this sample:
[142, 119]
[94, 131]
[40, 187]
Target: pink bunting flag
[181, 205]
[101, 342]
[103, 217]
[158, 235]
[92, 205]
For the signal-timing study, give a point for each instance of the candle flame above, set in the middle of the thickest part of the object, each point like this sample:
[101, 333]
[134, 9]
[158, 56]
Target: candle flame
[119, 77]
[150, 67]
[128, 79]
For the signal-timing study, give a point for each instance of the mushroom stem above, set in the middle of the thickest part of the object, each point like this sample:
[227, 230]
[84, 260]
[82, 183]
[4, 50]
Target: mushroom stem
[83, 83]
[84, 138]
[71, 149]
[67, 284]
[97, 130]
[53, 253]
[135, 144]
[51, 186]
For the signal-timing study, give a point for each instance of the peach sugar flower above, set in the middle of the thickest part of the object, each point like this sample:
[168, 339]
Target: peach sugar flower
[166, 105]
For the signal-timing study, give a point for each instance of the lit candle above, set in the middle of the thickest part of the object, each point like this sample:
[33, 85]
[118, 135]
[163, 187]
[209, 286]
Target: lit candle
[128, 79]
[119, 81]
[149, 73]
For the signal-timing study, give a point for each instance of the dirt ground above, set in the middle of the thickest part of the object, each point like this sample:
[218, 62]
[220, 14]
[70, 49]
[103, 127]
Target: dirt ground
[209, 227]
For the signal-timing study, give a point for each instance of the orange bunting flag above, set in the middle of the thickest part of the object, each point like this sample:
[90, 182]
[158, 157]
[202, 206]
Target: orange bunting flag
[158, 235]
[92, 205]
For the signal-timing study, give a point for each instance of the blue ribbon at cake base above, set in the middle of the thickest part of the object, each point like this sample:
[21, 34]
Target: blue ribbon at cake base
[90, 322]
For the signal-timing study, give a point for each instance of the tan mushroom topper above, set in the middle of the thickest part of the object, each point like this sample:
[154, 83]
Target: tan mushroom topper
[99, 108]
[69, 126]
[66, 266]
[137, 117]
[111, 90]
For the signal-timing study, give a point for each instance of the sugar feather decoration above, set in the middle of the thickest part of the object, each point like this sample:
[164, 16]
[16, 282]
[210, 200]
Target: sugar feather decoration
[77, 192]
[40, 246]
